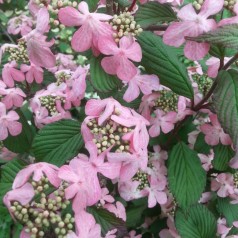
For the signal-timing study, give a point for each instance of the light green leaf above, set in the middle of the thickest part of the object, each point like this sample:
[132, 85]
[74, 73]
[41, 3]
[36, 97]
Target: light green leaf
[187, 178]
[228, 210]
[161, 60]
[101, 81]
[153, 13]
[198, 223]
[225, 100]
[226, 36]
[58, 142]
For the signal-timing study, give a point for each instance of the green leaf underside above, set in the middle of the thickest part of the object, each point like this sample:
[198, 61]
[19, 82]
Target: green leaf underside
[187, 178]
[198, 223]
[100, 80]
[162, 60]
[225, 100]
[58, 142]
[154, 12]
[226, 36]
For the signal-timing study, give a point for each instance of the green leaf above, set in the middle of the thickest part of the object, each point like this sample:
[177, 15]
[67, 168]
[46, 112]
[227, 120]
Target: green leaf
[198, 223]
[153, 13]
[108, 221]
[92, 4]
[187, 178]
[228, 210]
[222, 156]
[226, 102]
[58, 142]
[161, 60]
[100, 80]
[219, 51]
[22, 142]
[226, 36]
[201, 146]
[8, 174]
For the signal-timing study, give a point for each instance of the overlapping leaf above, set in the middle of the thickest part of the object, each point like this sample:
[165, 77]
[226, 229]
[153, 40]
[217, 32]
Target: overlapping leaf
[162, 60]
[186, 176]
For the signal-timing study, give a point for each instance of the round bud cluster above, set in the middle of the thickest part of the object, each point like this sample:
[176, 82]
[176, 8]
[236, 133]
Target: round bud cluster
[235, 178]
[141, 177]
[62, 77]
[204, 82]
[167, 101]
[109, 134]
[49, 102]
[123, 25]
[18, 54]
[198, 4]
[43, 217]
[229, 4]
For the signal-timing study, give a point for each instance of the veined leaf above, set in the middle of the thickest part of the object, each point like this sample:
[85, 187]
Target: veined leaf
[187, 178]
[162, 60]
[226, 36]
[225, 100]
[198, 223]
[101, 81]
[154, 12]
[58, 142]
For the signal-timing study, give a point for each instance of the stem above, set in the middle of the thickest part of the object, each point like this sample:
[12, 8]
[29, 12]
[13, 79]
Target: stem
[132, 6]
[109, 7]
[6, 33]
[230, 62]
[156, 28]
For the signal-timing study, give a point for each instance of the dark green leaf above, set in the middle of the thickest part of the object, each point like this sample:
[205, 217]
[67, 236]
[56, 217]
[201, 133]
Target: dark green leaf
[22, 142]
[108, 221]
[100, 80]
[222, 156]
[153, 13]
[226, 36]
[201, 146]
[226, 102]
[228, 210]
[161, 60]
[92, 4]
[198, 223]
[187, 178]
[58, 142]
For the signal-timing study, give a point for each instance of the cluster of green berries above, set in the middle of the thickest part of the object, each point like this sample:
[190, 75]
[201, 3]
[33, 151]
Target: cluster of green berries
[141, 177]
[167, 101]
[49, 102]
[62, 77]
[108, 135]
[198, 4]
[204, 83]
[235, 178]
[124, 24]
[18, 54]
[42, 218]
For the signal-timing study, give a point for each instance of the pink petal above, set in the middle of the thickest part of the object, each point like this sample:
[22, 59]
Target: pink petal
[187, 13]
[43, 18]
[132, 92]
[126, 69]
[211, 7]
[3, 132]
[110, 64]
[69, 16]
[196, 51]
[15, 128]
[83, 7]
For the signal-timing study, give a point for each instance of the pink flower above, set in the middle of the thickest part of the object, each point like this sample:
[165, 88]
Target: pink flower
[156, 191]
[193, 25]
[118, 209]
[132, 234]
[162, 120]
[106, 197]
[207, 160]
[38, 48]
[12, 96]
[22, 195]
[213, 66]
[143, 83]
[8, 122]
[223, 184]
[183, 111]
[119, 63]
[37, 171]
[86, 226]
[11, 74]
[21, 24]
[33, 72]
[92, 26]
[222, 228]
[214, 133]
[6, 154]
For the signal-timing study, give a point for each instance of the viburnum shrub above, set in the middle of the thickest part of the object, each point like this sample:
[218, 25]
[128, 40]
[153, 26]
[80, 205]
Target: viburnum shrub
[118, 119]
